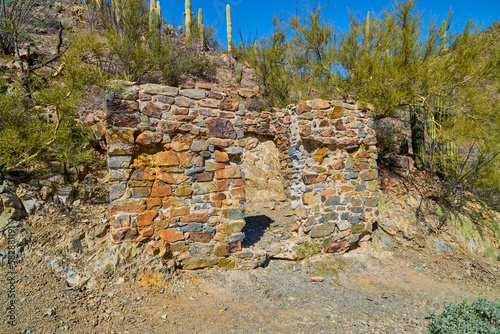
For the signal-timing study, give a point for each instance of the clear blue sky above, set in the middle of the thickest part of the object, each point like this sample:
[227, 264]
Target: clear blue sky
[250, 15]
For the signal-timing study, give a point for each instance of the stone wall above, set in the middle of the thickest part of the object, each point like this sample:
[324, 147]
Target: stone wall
[174, 157]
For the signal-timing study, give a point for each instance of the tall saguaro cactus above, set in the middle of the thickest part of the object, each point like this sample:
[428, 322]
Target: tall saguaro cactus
[187, 19]
[201, 27]
[229, 28]
[154, 18]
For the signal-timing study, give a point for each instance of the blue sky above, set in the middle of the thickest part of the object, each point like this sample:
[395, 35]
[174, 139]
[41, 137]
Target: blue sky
[257, 15]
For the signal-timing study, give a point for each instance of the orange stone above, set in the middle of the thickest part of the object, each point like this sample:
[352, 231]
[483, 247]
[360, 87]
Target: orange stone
[127, 208]
[171, 235]
[239, 182]
[161, 223]
[228, 173]
[238, 193]
[167, 158]
[146, 218]
[218, 197]
[153, 202]
[142, 175]
[327, 192]
[172, 178]
[180, 211]
[185, 159]
[202, 237]
[161, 189]
[199, 217]
[221, 156]
[221, 185]
[149, 138]
[338, 165]
[147, 233]
[172, 201]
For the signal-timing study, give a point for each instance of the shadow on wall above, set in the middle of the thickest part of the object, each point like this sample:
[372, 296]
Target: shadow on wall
[254, 229]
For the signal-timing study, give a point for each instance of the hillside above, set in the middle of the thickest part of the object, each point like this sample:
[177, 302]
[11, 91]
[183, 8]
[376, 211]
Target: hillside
[84, 144]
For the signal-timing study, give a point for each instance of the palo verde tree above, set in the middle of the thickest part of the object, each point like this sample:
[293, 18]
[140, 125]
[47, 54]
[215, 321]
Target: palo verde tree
[444, 76]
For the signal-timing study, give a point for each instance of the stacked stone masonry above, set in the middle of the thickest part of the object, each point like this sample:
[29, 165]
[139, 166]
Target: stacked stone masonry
[174, 159]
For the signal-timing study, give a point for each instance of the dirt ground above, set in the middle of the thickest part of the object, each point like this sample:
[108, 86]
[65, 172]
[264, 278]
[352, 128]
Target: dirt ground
[368, 290]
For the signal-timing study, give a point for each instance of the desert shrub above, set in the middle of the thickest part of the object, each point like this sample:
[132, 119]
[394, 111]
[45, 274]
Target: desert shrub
[480, 316]
[178, 62]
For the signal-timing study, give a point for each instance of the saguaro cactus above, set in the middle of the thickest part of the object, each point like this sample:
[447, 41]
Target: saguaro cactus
[154, 18]
[187, 19]
[239, 73]
[229, 28]
[417, 134]
[201, 28]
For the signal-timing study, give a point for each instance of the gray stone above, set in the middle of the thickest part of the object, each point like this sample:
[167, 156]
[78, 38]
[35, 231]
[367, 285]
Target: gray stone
[191, 227]
[344, 215]
[197, 248]
[237, 237]
[234, 150]
[119, 161]
[234, 214]
[328, 217]
[204, 188]
[323, 230]
[343, 225]
[355, 220]
[125, 93]
[357, 209]
[119, 174]
[184, 102]
[154, 89]
[332, 200]
[117, 190]
[199, 145]
[209, 229]
[196, 94]
[350, 176]
[193, 171]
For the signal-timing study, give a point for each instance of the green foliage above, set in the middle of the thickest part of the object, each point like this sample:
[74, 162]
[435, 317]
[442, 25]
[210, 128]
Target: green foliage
[177, 62]
[447, 79]
[269, 59]
[17, 18]
[43, 126]
[312, 50]
[480, 316]
[77, 11]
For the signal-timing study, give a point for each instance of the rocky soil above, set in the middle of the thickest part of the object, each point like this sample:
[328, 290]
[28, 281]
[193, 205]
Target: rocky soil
[366, 291]
[385, 286]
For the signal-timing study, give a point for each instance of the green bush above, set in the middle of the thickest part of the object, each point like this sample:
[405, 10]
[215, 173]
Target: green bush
[480, 316]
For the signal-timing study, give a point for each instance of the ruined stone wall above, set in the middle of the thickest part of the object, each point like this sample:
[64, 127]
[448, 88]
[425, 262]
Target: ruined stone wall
[174, 158]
